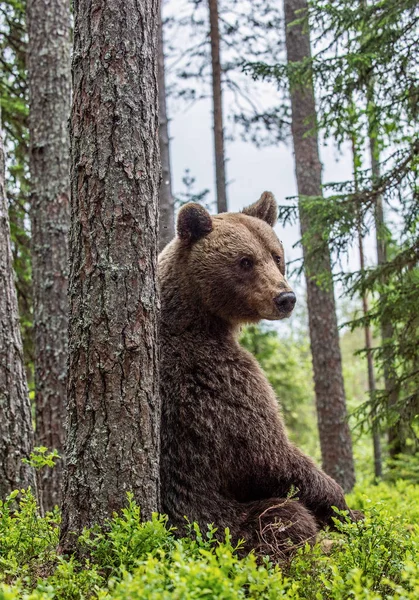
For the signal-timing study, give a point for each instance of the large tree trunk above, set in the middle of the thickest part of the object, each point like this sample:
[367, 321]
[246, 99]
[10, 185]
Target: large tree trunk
[335, 438]
[220, 174]
[49, 103]
[167, 208]
[16, 433]
[113, 401]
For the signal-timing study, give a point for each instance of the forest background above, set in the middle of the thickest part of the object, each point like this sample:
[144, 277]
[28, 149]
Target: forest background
[250, 65]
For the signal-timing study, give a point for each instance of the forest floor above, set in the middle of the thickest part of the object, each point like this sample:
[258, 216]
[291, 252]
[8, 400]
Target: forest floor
[373, 559]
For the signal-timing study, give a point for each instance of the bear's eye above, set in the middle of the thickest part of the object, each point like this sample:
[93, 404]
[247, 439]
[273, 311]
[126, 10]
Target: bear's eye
[278, 260]
[246, 264]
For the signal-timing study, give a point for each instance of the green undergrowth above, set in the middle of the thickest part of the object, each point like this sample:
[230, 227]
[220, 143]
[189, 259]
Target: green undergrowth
[127, 559]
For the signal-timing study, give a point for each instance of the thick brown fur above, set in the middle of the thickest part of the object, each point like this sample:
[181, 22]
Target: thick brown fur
[225, 455]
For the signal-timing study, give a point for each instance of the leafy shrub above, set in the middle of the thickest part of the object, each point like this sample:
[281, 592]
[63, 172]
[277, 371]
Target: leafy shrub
[41, 457]
[399, 500]
[370, 555]
[215, 573]
[124, 540]
[27, 542]
[404, 466]
[374, 559]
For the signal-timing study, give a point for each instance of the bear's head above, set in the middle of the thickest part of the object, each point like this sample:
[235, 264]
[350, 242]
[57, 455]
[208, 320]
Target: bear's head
[235, 262]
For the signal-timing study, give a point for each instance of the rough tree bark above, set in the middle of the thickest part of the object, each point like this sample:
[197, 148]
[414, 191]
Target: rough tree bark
[167, 209]
[16, 433]
[113, 401]
[335, 438]
[220, 174]
[49, 79]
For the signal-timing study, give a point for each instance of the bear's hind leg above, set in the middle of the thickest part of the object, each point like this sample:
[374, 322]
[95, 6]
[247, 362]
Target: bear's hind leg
[278, 527]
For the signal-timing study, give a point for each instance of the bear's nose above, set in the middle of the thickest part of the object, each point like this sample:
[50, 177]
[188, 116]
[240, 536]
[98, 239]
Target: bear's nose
[285, 301]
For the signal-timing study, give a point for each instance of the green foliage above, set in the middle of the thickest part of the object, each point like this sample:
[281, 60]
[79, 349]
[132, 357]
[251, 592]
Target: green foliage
[286, 361]
[404, 466]
[13, 88]
[400, 500]
[366, 78]
[40, 458]
[124, 540]
[27, 541]
[126, 559]
[214, 573]
[370, 558]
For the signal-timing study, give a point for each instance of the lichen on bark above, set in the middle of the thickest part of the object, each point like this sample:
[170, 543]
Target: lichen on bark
[16, 432]
[113, 401]
[49, 80]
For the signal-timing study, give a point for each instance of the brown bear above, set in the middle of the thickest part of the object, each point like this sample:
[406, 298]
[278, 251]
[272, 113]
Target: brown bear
[225, 456]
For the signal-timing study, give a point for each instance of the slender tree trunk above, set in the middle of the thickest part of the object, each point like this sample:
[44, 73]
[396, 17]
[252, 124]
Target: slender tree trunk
[395, 432]
[220, 174]
[16, 433]
[166, 205]
[335, 438]
[378, 466]
[113, 401]
[49, 105]
[15, 45]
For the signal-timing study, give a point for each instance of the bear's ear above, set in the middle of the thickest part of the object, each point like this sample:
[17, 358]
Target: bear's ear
[265, 208]
[193, 222]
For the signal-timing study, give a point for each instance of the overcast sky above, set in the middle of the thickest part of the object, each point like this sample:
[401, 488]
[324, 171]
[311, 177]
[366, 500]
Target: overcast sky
[250, 170]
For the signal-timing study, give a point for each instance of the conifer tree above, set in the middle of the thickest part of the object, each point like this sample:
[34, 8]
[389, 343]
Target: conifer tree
[16, 432]
[217, 100]
[217, 39]
[374, 61]
[375, 430]
[166, 204]
[113, 399]
[48, 62]
[14, 94]
[335, 438]
[371, 43]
